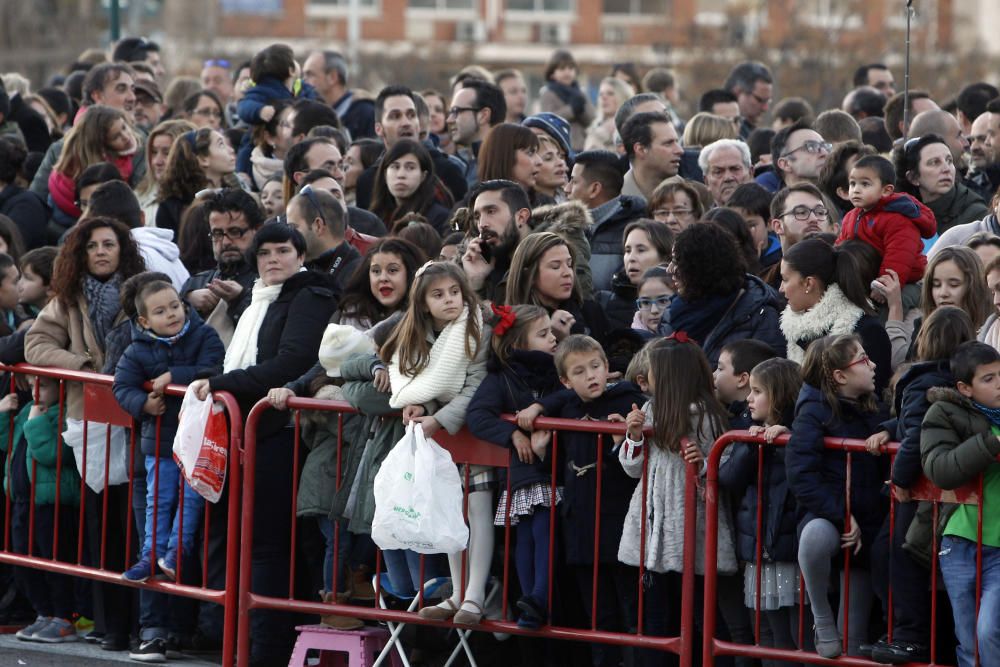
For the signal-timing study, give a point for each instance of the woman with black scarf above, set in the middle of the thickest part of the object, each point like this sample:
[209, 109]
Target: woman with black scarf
[562, 95]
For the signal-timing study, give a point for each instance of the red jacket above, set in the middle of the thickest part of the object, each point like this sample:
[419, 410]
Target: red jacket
[894, 227]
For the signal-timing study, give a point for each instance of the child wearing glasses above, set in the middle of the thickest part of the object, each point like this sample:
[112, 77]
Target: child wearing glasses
[892, 223]
[656, 292]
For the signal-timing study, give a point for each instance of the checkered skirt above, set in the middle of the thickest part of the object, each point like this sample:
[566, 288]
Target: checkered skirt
[524, 501]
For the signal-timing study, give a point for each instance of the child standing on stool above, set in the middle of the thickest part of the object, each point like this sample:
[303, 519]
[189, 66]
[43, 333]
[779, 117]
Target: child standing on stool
[35, 460]
[169, 346]
[521, 371]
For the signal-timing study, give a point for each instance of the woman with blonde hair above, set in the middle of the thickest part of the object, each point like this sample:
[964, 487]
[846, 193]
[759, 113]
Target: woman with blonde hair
[705, 128]
[610, 96]
[158, 144]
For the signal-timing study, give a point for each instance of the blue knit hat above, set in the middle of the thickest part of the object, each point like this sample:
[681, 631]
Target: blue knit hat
[554, 125]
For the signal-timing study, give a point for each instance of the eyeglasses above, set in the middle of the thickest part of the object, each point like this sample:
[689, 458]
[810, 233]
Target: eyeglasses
[311, 196]
[661, 303]
[454, 111]
[803, 212]
[216, 63]
[214, 113]
[811, 147]
[675, 212]
[863, 359]
[761, 100]
[232, 233]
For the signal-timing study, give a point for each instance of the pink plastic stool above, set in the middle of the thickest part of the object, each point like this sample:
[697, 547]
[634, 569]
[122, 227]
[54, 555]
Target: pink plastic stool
[360, 646]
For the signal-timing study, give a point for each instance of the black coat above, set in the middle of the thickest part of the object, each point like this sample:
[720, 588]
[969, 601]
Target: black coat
[911, 406]
[579, 451]
[365, 222]
[606, 242]
[28, 212]
[818, 476]
[449, 173]
[527, 377]
[618, 303]
[241, 272]
[338, 263]
[287, 344]
[169, 213]
[33, 127]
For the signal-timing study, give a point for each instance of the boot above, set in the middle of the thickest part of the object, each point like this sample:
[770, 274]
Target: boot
[360, 585]
[339, 622]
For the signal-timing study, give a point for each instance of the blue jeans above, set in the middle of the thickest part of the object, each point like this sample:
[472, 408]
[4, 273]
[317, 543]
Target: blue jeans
[958, 569]
[167, 518]
[403, 568]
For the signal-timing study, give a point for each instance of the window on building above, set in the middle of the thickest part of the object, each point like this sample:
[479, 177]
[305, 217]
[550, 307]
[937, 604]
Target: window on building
[341, 4]
[441, 4]
[540, 5]
[636, 6]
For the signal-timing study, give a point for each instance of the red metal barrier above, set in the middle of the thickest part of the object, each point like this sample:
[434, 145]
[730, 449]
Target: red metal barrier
[464, 449]
[100, 406]
[924, 490]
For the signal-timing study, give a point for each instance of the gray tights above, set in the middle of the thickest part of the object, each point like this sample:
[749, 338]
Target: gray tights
[818, 545]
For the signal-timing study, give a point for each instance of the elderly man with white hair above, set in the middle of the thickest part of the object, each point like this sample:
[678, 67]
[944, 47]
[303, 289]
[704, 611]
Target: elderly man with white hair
[726, 165]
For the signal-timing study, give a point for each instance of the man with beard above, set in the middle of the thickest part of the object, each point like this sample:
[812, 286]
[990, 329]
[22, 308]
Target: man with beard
[233, 220]
[148, 109]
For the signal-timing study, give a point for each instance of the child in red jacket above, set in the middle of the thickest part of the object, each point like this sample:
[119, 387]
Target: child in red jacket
[891, 223]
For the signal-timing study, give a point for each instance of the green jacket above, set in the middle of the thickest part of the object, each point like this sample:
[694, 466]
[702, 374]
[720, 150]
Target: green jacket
[41, 436]
[956, 445]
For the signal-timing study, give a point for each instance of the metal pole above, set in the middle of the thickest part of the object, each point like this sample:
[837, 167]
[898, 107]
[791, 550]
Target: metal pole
[115, 21]
[906, 72]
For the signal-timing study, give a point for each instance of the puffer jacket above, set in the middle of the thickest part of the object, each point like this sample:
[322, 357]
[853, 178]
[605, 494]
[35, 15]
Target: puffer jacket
[912, 405]
[894, 227]
[197, 353]
[36, 445]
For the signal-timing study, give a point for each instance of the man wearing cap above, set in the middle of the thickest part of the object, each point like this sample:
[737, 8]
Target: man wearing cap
[476, 108]
[148, 107]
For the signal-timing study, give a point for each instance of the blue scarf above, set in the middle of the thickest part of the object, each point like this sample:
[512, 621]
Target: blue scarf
[169, 340]
[698, 318]
[993, 414]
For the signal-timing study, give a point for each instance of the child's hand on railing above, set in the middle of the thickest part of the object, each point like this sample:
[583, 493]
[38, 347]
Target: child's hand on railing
[526, 417]
[160, 383]
[772, 432]
[634, 423]
[874, 443]
[692, 452]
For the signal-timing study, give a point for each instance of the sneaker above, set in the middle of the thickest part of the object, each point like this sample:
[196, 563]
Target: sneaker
[900, 653]
[57, 631]
[150, 650]
[168, 564]
[28, 634]
[139, 572]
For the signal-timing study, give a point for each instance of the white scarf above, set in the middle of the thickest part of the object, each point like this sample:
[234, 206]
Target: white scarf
[444, 375]
[833, 314]
[242, 352]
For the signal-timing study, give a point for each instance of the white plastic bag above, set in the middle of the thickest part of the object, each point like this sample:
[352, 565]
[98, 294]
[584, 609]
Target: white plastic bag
[97, 448]
[200, 445]
[418, 498]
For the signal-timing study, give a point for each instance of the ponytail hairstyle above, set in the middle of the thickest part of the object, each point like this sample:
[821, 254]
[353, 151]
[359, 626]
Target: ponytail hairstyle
[976, 301]
[781, 380]
[409, 338]
[832, 265]
[824, 357]
[674, 400]
[84, 144]
[516, 337]
[184, 177]
[942, 332]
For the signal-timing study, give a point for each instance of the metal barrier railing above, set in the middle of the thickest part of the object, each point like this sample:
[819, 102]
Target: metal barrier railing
[100, 407]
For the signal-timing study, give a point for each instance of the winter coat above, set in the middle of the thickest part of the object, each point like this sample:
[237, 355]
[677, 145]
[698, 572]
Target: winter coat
[40, 183]
[606, 242]
[356, 113]
[580, 452]
[448, 172]
[912, 405]
[36, 444]
[32, 125]
[754, 314]
[265, 91]
[64, 338]
[894, 227]
[618, 303]
[739, 474]
[27, 211]
[287, 344]
[527, 377]
[365, 222]
[160, 253]
[196, 354]
[958, 207]
[338, 263]
[818, 476]
[577, 110]
[170, 212]
[834, 314]
[570, 220]
[960, 234]
[665, 505]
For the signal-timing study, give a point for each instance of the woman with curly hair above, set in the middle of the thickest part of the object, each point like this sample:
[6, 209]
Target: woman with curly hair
[405, 182]
[717, 302]
[198, 159]
[70, 332]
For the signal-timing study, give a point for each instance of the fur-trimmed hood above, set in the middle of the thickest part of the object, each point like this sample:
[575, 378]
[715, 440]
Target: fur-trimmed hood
[834, 314]
[570, 217]
[949, 395]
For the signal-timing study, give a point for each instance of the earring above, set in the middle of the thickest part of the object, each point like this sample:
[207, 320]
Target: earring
[807, 290]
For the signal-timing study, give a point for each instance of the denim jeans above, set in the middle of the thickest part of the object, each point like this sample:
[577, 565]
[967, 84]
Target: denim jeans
[165, 515]
[958, 569]
[403, 568]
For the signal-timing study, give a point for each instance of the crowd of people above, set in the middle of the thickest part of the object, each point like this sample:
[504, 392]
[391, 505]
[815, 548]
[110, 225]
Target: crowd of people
[445, 257]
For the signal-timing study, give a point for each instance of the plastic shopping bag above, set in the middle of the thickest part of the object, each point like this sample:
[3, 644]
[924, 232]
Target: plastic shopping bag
[418, 498]
[97, 446]
[200, 445]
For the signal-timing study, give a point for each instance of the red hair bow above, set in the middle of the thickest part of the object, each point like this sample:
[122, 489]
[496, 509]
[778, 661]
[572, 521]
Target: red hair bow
[507, 319]
[680, 337]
